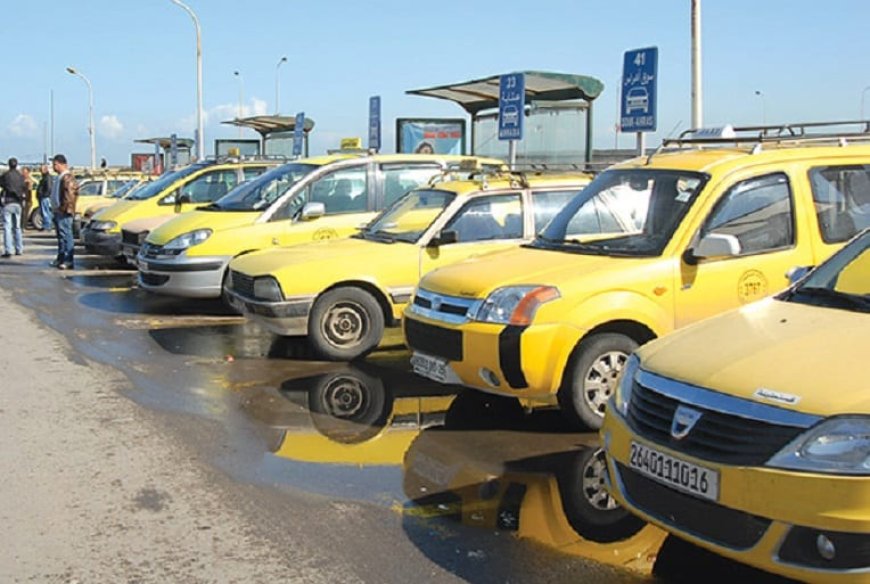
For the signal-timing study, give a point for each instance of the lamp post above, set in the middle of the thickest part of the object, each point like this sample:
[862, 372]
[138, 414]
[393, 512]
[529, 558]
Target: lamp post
[697, 100]
[863, 93]
[87, 81]
[278, 85]
[200, 137]
[760, 94]
[241, 98]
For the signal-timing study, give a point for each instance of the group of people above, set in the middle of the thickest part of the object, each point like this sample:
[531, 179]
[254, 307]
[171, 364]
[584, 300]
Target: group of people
[56, 195]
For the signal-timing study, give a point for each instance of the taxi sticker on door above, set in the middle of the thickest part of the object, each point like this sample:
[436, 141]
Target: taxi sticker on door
[752, 286]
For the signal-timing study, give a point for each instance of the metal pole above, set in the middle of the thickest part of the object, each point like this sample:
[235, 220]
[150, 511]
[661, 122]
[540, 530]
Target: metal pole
[763, 107]
[241, 98]
[863, 93]
[697, 102]
[91, 132]
[641, 143]
[618, 93]
[51, 115]
[278, 86]
[200, 134]
[512, 154]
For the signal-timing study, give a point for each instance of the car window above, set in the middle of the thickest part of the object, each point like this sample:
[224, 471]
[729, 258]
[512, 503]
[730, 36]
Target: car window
[758, 212]
[491, 217]
[841, 195]
[547, 204]
[400, 180]
[250, 172]
[613, 211]
[114, 185]
[93, 187]
[210, 187]
[342, 191]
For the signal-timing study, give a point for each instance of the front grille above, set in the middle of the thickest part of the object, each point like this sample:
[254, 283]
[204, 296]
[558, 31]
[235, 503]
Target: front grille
[444, 306]
[133, 238]
[452, 309]
[717, 436]
[434, 340]
[242, 284]
[852, 550]
[704, 519]
[153, 279]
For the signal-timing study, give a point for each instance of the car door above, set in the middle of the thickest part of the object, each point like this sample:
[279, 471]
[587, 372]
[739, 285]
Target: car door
[758, 215]
[483, 224]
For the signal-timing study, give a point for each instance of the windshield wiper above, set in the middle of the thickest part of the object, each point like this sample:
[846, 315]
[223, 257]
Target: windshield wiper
[212, 207]
[840, 298]
[379, 235]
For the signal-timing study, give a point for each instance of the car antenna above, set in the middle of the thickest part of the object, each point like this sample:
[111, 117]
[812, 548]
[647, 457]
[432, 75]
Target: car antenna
[668, 137]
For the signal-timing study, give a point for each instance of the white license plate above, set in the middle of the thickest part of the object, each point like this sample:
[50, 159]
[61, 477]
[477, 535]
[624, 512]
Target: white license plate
[430, 367]
[676, 473]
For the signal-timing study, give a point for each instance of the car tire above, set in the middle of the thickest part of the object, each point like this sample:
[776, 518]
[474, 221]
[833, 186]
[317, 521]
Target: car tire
[36, 219]
[345, 324]
[590, 509]
[591, 377]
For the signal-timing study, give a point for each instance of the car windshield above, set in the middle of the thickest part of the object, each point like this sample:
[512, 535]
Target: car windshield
[841, 282]
[623, 212]
[124, 189]
[153, 189]
[409, 217]
[260, 193]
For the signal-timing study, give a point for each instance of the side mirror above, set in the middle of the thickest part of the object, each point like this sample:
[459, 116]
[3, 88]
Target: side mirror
[312, 210]
[717, 245]
[443, 238]
[797, 273]
[183, 199]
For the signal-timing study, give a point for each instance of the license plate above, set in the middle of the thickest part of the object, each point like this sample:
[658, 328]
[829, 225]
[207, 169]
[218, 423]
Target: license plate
[430, 367]
[674, 472]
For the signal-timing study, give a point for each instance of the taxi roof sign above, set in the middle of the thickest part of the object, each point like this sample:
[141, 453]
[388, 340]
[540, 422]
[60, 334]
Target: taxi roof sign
[351, 143]
[725, 132]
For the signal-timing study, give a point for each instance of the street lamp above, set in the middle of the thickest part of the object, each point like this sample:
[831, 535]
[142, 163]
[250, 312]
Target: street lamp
[278, 86]
[760, 94]
[863, 93]
[87, 81]
[200, 137]
[241, 97]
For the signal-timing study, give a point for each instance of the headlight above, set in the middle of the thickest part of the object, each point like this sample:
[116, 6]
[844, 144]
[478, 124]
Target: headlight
[515, 304]
[626, 383]
[839, 445]
[187, 240]
[102, 225]
[267, 288]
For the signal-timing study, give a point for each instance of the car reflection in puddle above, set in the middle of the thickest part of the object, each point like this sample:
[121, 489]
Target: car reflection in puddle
[494, 467]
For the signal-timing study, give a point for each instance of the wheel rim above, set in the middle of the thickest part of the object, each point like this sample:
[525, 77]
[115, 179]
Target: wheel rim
[600, 379]
[594, 483]
[345, 325]
[345, 398]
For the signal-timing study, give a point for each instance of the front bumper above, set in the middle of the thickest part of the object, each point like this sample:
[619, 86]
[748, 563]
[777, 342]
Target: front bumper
[288, 318]
[523, 362]
[764, 517]
[188, 277]
[102, 242]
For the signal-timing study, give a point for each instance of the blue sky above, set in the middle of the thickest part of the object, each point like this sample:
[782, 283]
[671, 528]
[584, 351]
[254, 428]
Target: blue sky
[809, 58]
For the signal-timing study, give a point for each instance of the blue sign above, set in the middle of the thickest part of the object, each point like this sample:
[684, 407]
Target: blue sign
[375, 122]
[511, 106]
[639, 80]
[298, 133]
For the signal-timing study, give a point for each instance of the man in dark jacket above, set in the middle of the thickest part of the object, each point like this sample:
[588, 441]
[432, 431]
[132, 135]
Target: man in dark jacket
[43, 196]
[63, 200]
[14, 193]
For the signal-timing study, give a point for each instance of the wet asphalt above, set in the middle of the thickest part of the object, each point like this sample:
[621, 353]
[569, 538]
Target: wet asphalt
[482, 489]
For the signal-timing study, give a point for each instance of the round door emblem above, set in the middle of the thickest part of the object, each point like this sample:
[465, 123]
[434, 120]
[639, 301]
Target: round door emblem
[751, 286]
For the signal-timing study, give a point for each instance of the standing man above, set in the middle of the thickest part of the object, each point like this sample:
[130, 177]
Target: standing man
[43, 196]
[64, 195]
[14, 193]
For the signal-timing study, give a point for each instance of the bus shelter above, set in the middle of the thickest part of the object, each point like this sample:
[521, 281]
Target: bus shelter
[558, 107]
[183, 153]
[276, 132]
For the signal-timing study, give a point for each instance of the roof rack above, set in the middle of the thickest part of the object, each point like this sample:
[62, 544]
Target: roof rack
[799, 132]
[519, 178]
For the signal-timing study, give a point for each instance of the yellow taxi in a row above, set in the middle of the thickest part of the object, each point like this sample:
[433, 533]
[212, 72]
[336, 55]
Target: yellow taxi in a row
[342, 294]
[651, 245]
[175, 192]
[749, 433]
[312, 199]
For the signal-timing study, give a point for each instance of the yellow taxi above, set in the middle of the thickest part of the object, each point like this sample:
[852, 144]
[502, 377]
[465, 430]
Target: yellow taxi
[307, 200]
[749, 433]
[342, 293]
[89, 207]
[710, 227]
[175, 192]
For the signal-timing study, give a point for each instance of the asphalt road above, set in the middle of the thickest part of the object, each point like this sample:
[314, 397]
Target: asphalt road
[152, 439]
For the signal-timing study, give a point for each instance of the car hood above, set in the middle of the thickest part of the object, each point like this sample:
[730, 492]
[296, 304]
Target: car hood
[477, 277]
[146, 223]
[193, 220]
[117, 211]
[815, 354]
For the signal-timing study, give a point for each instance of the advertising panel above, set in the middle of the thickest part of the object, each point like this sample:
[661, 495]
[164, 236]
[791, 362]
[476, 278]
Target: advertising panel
[430, 135]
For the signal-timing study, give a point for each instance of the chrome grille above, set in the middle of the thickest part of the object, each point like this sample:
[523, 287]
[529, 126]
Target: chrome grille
[452, 309]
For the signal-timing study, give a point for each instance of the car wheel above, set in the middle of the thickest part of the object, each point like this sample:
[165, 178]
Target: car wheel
[225, 297]
[591, 377]
[349, 406]
[345, 323]
[592, 512]
[36, 219]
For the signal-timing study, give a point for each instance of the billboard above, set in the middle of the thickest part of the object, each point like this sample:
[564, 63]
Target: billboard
[430, 135]
[142, 162]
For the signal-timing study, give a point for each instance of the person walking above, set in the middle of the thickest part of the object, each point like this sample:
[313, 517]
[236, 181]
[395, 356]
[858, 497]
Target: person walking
[14, 193]
[43, 197]
[64, 194]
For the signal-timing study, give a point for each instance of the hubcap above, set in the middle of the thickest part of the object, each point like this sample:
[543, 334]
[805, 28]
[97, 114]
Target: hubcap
[593, 483]
[344, 397]
[345, 324]
[600, 380]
